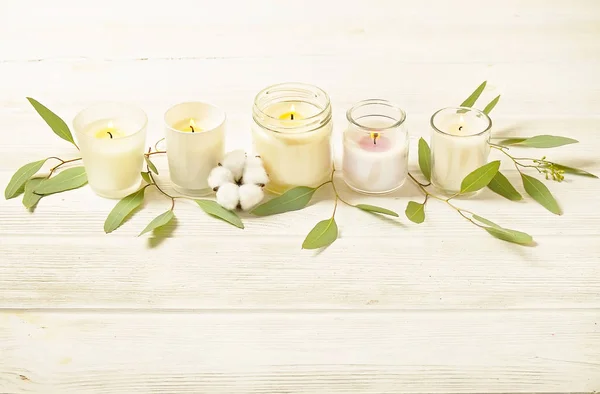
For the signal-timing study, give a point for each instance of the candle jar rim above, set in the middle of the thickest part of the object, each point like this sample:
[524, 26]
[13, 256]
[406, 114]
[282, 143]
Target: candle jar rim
[398, 122]
[79, 128]
[204, 131]
[465, 110]
[311, 123]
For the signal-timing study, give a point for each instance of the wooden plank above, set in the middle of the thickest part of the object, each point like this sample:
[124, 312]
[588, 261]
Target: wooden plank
[275, 352]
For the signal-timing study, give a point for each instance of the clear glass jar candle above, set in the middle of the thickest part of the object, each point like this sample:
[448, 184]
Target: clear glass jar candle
[195, 139]
[291, 132]
[375, 147]
[111, 138]
[459, 145]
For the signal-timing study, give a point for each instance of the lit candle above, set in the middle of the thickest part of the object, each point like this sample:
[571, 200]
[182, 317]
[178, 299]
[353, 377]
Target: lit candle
[111, 138]
[292, 134]
[459, 145]
[194, 135]
[375, 147]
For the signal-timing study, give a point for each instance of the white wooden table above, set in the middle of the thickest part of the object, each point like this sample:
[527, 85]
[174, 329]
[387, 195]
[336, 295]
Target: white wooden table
[390, 307]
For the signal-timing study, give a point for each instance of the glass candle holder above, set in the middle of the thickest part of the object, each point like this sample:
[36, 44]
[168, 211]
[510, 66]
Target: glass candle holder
[291, 132]
[195, 140]
[111, 138]
[375, 147]
[459, 145]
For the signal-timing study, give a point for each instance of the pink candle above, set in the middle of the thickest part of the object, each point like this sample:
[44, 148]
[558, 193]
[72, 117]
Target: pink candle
[375, 142]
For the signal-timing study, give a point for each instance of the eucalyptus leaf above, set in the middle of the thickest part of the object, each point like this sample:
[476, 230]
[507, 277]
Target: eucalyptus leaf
[30, 199]
[488, 108]
[547, 141]
[123, 209]
[474, 96]
[572, 170]
[71, 178]
[323, 234]
[540, 193]
[376, 209]
[150, 165]
[292, 200]
[17, 182]
[214, 209]
[512, 141]
[425, 159]
[514, 236]
[57, 125]
[415, 212]
[159, 221]
[480, 178]
[502, 186]
[146, 177]
[485, 221]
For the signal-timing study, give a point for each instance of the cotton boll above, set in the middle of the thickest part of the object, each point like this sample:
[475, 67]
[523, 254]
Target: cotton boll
[255, 176]
[228, 196]
[219, 176]
[250, 196]
[254, 161]
[235, 162]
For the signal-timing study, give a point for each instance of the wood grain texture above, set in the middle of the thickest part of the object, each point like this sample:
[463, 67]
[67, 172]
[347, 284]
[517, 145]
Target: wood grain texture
[391, 307]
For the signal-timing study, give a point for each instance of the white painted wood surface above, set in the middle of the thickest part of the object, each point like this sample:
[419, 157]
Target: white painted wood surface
[391, 307]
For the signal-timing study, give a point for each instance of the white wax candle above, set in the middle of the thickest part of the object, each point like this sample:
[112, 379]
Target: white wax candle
[458, 147]
[194, 136]
[374, 163]
[112, 148]
[294, 156]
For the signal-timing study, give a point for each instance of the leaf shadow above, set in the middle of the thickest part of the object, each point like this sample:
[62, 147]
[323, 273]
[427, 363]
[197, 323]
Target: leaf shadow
[388, 219]
[159, 235]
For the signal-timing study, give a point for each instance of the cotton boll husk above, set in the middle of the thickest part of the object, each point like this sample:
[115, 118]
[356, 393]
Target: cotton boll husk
[235, 162]
[219, 176]
[228, 196]
[250, 196]
[254, 161]
[255, 176]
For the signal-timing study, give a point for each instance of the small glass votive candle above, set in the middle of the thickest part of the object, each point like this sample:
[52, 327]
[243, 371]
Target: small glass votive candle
[459, 145]
[291, 132]
[111, 138]
[195, 140]
[375, 147]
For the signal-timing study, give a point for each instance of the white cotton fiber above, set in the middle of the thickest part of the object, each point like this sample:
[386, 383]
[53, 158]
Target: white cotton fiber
[228, 196]
[219, 176]
[256, 176]
[235, 162]
[250, 196]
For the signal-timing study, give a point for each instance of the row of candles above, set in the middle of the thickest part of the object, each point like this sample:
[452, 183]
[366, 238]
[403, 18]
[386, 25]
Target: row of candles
[291, 131]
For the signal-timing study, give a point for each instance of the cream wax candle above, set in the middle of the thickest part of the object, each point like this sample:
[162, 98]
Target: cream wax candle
[459, 145]
[292, 134]
[195, 139]
[375, 147]
[111, 138]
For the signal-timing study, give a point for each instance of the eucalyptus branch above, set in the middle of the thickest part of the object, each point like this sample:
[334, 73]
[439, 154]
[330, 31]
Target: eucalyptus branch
[62, 162]
[542, 166]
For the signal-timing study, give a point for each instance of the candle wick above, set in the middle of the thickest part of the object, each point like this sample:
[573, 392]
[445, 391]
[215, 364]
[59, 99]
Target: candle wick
[192, 127]
[109, 133]
[291, 116]
[460, 128]
[375, 135]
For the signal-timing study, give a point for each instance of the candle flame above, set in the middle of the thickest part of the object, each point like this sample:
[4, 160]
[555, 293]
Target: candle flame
[462, 120]
[292, 108]
[110, 125]
[192, 123]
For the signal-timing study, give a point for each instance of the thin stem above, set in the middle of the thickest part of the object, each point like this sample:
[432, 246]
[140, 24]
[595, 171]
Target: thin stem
[335, 207]
[60, 164]
[158, 142]
[337, 196]
[155, 152]
[159, 189]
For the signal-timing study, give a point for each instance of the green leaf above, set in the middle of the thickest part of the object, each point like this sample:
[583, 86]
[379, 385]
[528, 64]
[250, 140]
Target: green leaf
[214, 209]
[30, 199]
[474, 96]
[501, 185]
[159, 221]
[485, 221]
[146, 177]
[514, 236]
[57, 125]
[415, 212]
[572, 170]
[540, 193]
[17, 182]
[480, 178]
[425, 159]
[376, 209]
[488, 108]
[123, 209]
[71, 178]
[512, 141]
[547, 141]
[323, 234]
[292, 200]
[150, 165]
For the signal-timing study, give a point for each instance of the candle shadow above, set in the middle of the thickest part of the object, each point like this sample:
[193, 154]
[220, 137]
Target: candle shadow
[160, 234]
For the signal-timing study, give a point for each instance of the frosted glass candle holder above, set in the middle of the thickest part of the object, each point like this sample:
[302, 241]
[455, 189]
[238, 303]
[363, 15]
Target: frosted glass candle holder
[375, 147]
[459, 145]
[111, 138]
[195, 140]
[292, 134]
